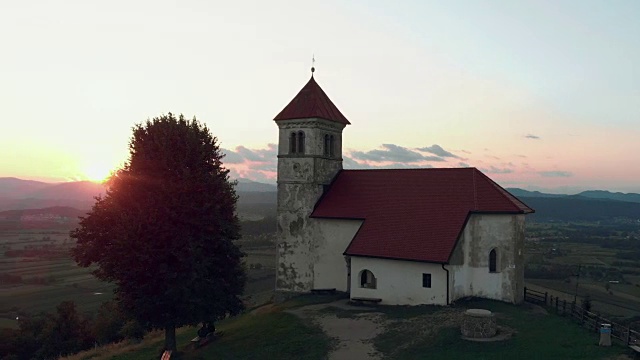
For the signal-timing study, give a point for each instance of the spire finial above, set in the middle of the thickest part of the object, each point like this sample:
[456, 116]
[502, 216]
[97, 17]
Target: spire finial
[313, 64]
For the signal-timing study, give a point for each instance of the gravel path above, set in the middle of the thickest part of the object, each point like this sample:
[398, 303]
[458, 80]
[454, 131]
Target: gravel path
[354, 335]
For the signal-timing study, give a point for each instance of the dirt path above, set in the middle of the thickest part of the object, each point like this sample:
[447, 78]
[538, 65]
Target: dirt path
[354, 334]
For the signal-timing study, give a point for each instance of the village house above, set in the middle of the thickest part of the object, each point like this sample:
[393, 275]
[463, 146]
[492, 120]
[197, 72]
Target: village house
[400, 236]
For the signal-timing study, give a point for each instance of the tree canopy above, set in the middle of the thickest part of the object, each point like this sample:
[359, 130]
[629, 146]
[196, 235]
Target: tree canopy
[164, 231]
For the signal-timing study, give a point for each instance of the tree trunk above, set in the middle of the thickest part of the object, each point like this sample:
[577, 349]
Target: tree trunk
[170, 337]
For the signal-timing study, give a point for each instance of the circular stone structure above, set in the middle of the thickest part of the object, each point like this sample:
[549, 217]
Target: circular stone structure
[479, 324]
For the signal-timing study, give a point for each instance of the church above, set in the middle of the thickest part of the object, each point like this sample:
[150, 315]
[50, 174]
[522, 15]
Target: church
[395, 236]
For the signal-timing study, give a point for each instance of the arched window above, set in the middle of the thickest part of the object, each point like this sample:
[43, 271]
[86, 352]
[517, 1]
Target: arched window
[326, 145]
[331, 146]
[292, 143]
[301, 142]
[367, 280]
[493, 261]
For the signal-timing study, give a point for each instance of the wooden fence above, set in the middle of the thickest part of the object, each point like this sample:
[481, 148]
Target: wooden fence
[586, 319]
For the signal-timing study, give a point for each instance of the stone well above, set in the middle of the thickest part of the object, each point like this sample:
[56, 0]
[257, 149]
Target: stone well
[479, 324]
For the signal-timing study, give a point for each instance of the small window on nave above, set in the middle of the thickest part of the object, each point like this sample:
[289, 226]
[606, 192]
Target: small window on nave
[367, 280]
[493, 261]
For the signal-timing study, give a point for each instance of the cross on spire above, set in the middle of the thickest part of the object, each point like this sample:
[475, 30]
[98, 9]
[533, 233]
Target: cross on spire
[313, 64]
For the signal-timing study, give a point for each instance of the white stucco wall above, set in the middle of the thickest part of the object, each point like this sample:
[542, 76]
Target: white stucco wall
[400, 282]
[330, 266]
[469, 269]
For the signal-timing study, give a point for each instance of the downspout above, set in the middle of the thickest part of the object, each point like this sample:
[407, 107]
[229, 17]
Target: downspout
[443, 268]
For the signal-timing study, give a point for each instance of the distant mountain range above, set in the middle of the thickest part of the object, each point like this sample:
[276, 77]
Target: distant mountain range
[246, 185]
[18, 194]
[67, 200]
[585, 195]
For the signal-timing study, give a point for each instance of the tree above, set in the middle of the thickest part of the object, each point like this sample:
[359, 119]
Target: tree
[164, 231]
[108, 323]
[65, 332]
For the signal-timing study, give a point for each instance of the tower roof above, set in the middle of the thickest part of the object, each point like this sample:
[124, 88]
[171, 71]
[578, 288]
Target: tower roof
[312, 102]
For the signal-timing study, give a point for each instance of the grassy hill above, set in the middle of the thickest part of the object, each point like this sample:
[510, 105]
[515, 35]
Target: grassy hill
[278, 332]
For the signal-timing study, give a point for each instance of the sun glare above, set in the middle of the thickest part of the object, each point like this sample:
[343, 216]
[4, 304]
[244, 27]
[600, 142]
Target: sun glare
[97, 172]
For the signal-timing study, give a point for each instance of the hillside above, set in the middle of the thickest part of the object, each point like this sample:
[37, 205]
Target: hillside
[586, 195]
[55, 212]
[18, 194]
[258, 200]
[11, 187]
[601, 194]
[580, 209]
[320, 328]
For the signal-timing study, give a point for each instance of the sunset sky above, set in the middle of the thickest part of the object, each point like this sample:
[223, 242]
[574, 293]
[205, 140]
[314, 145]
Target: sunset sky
[537, 94]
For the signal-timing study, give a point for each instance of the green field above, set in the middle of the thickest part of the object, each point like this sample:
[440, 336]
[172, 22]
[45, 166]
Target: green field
[67, 281]
[612, 283]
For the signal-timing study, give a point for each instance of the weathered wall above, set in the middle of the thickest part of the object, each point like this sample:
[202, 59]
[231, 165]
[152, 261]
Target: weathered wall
[295, 232]
[301, 181]
[331, 268]
[399, 282]
[469, 264]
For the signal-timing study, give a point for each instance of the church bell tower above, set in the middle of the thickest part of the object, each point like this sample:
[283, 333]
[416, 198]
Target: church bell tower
[309, 157]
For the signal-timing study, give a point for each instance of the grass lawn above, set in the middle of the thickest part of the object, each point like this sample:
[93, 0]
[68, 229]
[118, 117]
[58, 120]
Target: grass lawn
[537, 336]
[409, 333]
[269, 333]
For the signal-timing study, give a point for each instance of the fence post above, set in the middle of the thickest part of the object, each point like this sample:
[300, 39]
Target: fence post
[564, 307]
[597, 320]
[525, 293]
[581, 316]
[545, 298]
[556, 304]
[628, 340]
[573, 307]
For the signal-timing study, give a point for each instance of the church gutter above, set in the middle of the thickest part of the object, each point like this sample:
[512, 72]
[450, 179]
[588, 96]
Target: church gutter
[443, 268]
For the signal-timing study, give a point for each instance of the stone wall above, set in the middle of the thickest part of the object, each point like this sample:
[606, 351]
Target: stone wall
[479, 324]
[302, 179]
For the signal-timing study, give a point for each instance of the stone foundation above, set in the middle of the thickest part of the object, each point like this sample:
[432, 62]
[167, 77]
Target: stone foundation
[479, 323]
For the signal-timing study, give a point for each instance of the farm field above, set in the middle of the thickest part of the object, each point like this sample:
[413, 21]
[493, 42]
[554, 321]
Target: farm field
[32, 284]
[603, 255]
[44, 282]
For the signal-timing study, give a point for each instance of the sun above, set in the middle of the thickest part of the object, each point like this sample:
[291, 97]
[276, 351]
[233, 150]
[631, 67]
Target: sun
[97, 172]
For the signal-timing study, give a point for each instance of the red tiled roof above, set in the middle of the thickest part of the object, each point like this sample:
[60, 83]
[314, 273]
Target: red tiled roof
[312, 102]
[412, 214]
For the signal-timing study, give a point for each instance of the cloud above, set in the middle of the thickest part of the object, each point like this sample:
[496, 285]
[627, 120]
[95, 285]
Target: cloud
[350, 163]
[555, 173]
[260, 164]
[393, 153]
[531, 136]
[461, 164]
[231, 157]
[496, 170]
[438, 150]
[254, 164]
